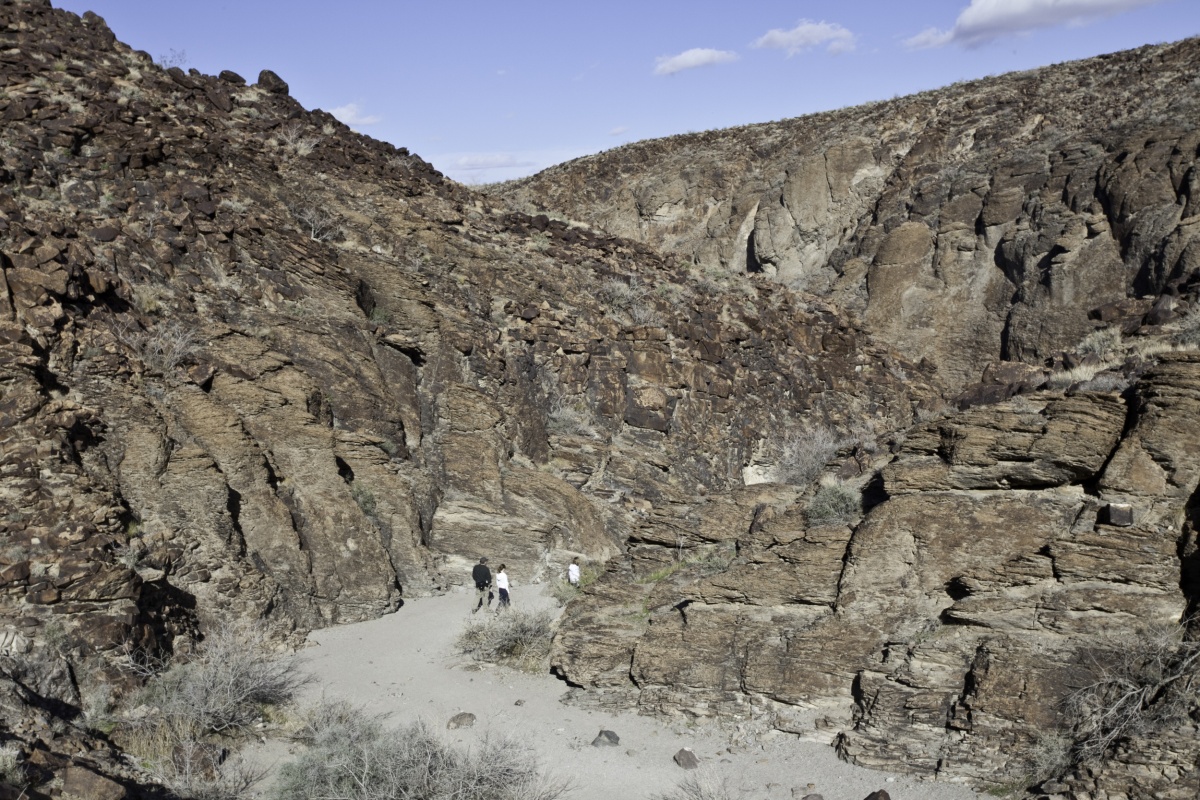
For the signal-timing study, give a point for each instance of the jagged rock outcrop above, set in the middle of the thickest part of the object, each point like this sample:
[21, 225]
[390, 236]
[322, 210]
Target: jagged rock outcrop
[970, 225]
[954, 618]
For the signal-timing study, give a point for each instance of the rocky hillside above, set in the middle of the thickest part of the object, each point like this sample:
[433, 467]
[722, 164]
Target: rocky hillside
[967, 226]
[256, 366]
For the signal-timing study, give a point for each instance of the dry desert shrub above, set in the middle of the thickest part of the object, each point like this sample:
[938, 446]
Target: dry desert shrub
[352, 755]
[296, 140]
[517, 638]
[320, 225]
[186, 711]
[1137, 684]
[161, 348]
[803, 454]
[1101, 343]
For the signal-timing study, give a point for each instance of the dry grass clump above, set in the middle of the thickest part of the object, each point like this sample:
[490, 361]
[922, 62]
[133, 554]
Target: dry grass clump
[517, 638]
[12, 771]
[700, 785]
[353, 755]
[1076, 375]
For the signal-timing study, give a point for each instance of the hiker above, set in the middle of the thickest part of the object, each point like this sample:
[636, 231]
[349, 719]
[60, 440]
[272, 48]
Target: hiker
[502, 588]
[573, 572]
[483, 583]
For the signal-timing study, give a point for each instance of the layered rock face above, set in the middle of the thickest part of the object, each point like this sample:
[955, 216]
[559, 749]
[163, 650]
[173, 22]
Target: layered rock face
[971, 225]
[950, 622]
[254, 365]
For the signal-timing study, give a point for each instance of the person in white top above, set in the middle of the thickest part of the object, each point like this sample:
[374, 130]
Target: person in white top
[573, 572]
[502, 588]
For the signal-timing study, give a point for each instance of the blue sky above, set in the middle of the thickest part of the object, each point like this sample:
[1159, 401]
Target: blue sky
[492, 90]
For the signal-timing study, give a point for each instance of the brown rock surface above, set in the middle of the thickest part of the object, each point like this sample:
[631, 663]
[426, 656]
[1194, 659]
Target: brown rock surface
[973, 224]
[254, 365]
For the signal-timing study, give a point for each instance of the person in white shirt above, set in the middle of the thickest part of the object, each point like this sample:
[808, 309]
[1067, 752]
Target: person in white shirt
[573, 572]
[502, 588]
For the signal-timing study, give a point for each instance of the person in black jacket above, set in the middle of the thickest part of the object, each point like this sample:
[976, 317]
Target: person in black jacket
[483, 584]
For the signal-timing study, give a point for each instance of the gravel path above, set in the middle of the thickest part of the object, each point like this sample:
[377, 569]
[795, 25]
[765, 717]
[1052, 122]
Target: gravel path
[405, 664]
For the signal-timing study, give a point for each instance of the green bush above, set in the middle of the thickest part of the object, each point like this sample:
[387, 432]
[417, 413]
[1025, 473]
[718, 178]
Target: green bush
[834, 502]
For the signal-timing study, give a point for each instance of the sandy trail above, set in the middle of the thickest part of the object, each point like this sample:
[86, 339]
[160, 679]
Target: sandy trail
[405, 664]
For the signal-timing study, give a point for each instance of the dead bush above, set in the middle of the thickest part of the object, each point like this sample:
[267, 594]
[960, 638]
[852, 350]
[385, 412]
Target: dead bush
[802, 455]
[178, 717]
[353, 755]
[295, 139]
[1138, 684]
[319, 224]
[701, 785]
[161, 348]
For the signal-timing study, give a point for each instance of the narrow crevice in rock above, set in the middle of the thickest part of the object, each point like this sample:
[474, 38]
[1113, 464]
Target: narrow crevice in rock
[233, 505]
[1188, 548]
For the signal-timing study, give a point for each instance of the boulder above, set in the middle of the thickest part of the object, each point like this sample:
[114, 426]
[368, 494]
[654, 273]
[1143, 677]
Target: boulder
[81, 783]
[272, 83]
[606, 738]
[463, 719]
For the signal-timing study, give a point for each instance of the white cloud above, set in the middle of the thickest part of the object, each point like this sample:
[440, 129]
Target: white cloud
[617, 131]
[807, 35]
[474, 168]
[928, 39]
[352, 115]
[690, 59]
[985, 20]
[473, 162]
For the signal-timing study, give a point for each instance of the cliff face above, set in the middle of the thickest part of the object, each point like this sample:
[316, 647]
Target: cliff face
[971, 225]
[993, 231]
[255, 365]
